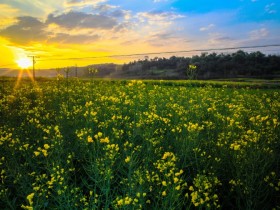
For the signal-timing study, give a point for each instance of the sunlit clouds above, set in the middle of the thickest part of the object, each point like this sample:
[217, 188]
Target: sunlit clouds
[91, 28]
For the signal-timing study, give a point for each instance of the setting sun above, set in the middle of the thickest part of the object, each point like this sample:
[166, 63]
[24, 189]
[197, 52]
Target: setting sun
[24, 62]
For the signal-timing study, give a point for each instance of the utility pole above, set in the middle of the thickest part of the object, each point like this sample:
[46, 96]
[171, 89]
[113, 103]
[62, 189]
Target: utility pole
[33, 61]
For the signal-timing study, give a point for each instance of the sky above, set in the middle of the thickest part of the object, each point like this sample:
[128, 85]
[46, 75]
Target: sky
[58, 32]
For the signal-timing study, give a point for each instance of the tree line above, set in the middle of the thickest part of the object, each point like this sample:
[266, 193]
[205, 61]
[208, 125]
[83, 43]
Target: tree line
[213, 65]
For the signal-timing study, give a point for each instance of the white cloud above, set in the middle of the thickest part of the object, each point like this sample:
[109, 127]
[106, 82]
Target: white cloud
[112, 11]
[207, 28]
[156, 1]
[269, 8]
[105, 7]
[259, 33]
[84, 2]
[158, 17]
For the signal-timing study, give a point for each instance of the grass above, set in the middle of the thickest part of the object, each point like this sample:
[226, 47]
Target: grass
[96, 144]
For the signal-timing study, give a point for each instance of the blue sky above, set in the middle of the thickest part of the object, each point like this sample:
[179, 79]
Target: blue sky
[106, 27]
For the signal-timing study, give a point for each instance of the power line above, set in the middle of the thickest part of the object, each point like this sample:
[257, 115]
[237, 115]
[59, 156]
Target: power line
[168, 52]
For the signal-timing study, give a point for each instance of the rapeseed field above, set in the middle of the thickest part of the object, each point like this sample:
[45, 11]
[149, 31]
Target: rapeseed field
[93, 144]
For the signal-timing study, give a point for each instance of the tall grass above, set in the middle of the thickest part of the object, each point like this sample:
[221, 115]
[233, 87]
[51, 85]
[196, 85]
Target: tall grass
[72, 144]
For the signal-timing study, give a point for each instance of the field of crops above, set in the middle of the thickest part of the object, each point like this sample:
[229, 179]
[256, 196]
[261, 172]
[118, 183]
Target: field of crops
[93, 144]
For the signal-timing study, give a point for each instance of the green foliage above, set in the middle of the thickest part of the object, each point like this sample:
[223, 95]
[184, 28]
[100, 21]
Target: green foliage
[72, 144]
[213, 65]
[192, 72]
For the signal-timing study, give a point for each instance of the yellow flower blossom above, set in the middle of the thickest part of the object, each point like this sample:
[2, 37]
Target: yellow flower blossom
[46, 146]
[30, 198]
[99, 134]
[45, 152]
[127, 159]
[105, 140]
[89, 139]
[235, 146]
[36, 153]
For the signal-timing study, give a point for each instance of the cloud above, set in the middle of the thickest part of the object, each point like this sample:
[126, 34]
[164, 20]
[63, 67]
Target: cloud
[27, 29]
[206, 28]
[158, 16]
[73, 39]
[7, 15]
[219, 38]
[112, 11]
[164, 39]
[31, 8]
[118, 13]
[124, 27]
[84, 2]
[163, 35]
[269, 8]
[258, 34]
[7, 10]
[75, 19]
[105, 7]
[31, 30]
[156, 1]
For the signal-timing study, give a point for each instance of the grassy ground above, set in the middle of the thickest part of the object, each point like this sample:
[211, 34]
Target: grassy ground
[95, 144]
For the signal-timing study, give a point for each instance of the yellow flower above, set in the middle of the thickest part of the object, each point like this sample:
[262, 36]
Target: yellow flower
[176, 180]
[26, 146]
[46, 146]
[105, 140]
[235, 146]
[36, 188]
[27, 207]
[166, 155]
[89, 139]
[120, 202]
[45, 152]
[163, 193]
[127, 159]
[178, 187]
[99, 134]
[30, 198]
[127, 200]
[36, 153]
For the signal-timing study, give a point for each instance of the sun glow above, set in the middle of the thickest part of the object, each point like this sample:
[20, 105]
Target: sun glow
[24, 63]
